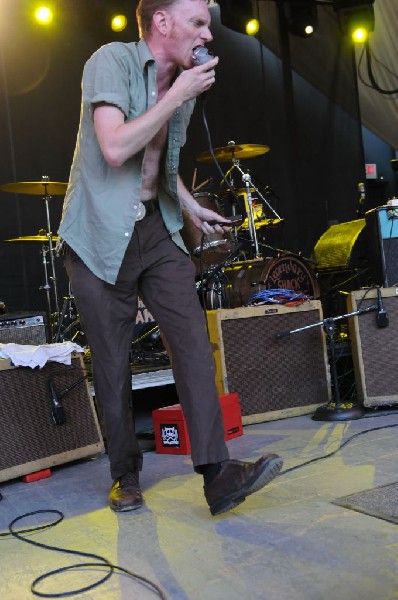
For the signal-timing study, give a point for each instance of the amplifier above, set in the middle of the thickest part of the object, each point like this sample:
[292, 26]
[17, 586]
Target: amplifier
[30, 440]
[374, 349]
[276, 374]
[23, 328]
[382, 225]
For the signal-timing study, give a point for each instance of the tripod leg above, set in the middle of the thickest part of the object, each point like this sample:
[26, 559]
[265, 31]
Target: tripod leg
[61, 319]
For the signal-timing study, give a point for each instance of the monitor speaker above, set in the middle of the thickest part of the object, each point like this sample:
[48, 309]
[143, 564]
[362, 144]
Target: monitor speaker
[30, 440]
[374, 349]
[276, 371]
[382, 226]
[23, 328]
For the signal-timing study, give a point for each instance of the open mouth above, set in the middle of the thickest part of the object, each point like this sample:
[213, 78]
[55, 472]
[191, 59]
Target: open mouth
[201, 55]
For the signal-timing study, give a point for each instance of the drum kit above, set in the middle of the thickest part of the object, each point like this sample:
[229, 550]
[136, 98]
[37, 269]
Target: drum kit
[63, 325]
[230, 267]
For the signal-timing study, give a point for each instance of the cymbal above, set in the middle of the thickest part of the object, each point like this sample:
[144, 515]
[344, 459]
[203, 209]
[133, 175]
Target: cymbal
[33, 238]
[227, 153]
[36, 188]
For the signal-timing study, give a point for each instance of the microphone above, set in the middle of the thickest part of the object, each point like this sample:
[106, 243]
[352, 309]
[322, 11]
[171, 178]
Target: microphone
[201, 55]
[57, 410]
[233, 221]
[382, 319]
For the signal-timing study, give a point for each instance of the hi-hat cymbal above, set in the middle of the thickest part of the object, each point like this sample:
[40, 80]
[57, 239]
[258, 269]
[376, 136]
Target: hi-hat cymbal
[34, 238]
[36, 188]
[227, 153]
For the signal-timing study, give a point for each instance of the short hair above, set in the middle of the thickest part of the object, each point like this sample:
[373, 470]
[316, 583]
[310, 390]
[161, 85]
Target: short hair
[145, 11]
[147, 8]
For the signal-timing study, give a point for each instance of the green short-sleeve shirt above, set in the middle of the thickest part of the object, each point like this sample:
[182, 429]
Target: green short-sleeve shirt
[101, 201]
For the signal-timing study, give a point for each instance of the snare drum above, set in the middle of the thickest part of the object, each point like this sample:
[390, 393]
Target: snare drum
[217, 247]
[242, 279]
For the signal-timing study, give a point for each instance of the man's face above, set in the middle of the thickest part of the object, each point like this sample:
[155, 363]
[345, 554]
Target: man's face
[190, 23]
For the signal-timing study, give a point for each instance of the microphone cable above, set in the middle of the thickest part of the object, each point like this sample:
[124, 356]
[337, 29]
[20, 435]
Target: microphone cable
[211, 150]
[203, 237]
[97, 561]
[342, 445]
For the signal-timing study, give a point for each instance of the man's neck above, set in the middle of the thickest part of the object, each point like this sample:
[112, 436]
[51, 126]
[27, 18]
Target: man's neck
[166, 70]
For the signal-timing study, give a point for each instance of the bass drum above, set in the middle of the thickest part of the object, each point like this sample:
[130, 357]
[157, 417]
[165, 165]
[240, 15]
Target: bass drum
[217, 247]
[242, 279]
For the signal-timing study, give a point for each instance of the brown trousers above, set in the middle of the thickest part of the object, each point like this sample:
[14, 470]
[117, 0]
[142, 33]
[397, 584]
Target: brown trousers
[165, 278]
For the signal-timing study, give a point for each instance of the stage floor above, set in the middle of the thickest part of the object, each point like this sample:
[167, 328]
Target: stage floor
[287, 541]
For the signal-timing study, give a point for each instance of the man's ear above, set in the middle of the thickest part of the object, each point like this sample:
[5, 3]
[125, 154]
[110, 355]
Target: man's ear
[161, 21]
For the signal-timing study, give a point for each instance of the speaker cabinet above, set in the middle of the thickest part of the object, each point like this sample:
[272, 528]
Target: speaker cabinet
[374, 350]
[382, 226]
[275, 373]
[23, 328]
[30, 441]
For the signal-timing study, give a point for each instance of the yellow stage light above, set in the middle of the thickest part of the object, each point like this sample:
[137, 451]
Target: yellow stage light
[44, 15]
[356, 18]
[119, 22]
[252, 27]
[238, 16]
[360, 35]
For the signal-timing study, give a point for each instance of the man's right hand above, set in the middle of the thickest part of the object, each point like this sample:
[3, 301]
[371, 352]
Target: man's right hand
[193, 82]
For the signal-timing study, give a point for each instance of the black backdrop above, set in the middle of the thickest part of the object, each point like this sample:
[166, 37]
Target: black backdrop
[297, 96]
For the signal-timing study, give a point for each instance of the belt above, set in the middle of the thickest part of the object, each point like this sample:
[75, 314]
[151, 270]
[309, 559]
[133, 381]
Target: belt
[146, 208]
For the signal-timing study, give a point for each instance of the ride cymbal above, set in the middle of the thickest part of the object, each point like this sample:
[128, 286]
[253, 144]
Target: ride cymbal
[233, 151]
[33, 238]
[36, 188]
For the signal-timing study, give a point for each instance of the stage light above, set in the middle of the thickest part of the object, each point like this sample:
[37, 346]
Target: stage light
[238, 16]
[119, 22]
[359, 35]
[252, 27]
[356, 18]
[301, 17]
[44, 15]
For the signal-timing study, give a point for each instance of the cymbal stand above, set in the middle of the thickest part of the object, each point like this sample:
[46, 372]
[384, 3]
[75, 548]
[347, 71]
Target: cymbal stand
[267, 203]
[46, 286]
[69, 315]
[252, 225]
[51, 248]
[231, 183]
[246, 179]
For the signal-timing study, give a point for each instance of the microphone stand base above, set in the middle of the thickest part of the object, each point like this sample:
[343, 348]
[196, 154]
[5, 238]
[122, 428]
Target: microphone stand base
[344, 412]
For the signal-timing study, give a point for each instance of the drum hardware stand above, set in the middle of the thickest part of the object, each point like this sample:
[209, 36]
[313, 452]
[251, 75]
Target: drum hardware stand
[49, 249]
[67, 313]
[247, 181]
[45, 179]
[46, 286]
[335, 410]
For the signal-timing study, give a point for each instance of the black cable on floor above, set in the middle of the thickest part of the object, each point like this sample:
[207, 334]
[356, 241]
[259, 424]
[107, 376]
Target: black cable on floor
[101, 562]
[314, 460]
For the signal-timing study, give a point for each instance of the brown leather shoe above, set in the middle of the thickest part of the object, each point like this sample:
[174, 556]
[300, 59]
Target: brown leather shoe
[125, 493]
[238, 479]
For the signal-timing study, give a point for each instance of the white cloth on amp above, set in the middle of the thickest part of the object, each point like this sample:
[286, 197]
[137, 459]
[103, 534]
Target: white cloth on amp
[25, 355]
